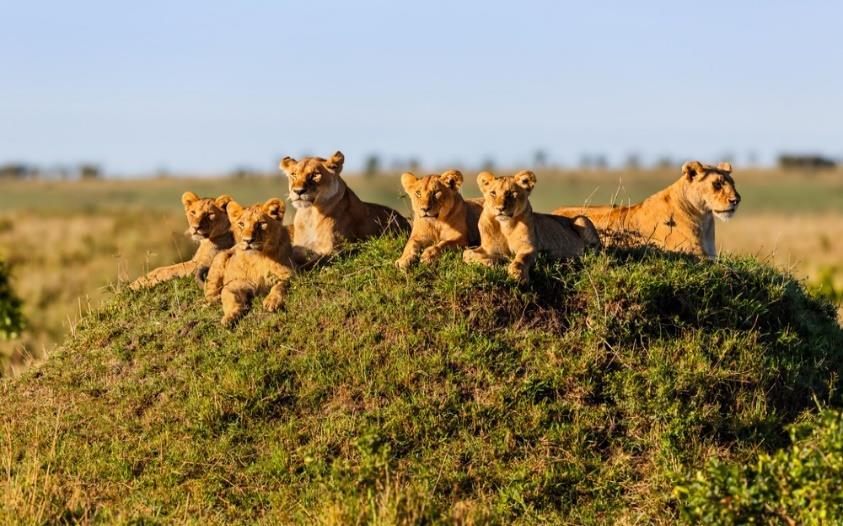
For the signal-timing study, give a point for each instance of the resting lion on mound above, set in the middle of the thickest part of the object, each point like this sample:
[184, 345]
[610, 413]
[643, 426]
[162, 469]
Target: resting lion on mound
[208, 224]
[680, 217]
[260, 262]
[509, 227]
[442, 219]
[328, 212]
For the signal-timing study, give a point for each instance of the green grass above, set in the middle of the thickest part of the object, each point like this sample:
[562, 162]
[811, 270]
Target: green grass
[446, 395]
[11, 318]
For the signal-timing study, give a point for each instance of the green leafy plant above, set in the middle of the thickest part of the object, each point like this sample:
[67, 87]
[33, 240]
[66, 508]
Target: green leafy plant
[799, 484]
[11, 318]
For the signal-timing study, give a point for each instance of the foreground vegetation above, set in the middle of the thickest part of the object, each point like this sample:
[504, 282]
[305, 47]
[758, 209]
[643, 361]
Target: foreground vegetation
[11, 319]
[445, 395]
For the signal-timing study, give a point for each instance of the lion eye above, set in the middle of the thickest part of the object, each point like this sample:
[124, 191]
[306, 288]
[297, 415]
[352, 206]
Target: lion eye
[418, 194]
[717, 185]
[493, 193]
[241, 224]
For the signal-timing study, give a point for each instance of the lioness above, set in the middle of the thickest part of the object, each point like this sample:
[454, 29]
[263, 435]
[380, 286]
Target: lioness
[441, 217]
[328, 212]
[509, 227]
[208, 224]
[260, 262]
[680, 217]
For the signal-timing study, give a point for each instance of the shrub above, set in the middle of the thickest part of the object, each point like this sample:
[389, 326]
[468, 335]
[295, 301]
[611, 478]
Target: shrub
[11, 318]
[801, 484]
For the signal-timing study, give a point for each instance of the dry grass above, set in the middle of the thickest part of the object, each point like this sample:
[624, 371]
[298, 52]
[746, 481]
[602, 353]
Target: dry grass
[69, 242]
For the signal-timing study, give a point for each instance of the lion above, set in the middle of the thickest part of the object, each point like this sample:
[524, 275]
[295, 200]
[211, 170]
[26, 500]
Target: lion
[679, 218]
[442, 219]
[208, 224]
[509, 227]
[328, 212]
[260, 261]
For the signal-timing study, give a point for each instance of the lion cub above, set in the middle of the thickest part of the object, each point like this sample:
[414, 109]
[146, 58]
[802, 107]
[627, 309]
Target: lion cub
[509, 227]
[442, 219]
[260, 262]
[328, 212]
[208, 224]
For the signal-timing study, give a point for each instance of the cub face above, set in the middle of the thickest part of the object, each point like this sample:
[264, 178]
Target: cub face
[312, 180]
[712, 188]
[434, 195]
[258, 225]
[506, 197]
[206, 218]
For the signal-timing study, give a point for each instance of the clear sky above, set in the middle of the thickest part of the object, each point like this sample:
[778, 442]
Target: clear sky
[210, 86]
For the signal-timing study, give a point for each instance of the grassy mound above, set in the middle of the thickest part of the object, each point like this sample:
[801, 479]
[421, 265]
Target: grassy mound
[445, 395]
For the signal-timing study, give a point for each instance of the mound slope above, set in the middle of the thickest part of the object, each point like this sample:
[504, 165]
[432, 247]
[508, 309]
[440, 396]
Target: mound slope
[445, 395]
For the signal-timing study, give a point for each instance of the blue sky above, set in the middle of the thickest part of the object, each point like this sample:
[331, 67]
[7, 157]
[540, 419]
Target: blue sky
[209, 86]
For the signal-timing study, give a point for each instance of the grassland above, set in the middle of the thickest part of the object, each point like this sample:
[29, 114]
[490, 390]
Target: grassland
[446, 396]
[69, 242]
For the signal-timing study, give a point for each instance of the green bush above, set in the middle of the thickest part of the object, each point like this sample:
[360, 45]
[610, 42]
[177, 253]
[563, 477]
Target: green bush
[801, 484]
[11, 318]
[448, 394]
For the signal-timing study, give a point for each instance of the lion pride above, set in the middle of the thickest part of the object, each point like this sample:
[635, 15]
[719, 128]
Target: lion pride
[328, 212]
[442, 219]
[510, 229]
[208, 224]
[679, 218]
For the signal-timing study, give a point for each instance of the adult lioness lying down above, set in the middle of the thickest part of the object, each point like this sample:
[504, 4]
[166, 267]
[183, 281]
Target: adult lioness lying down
[510, 229]
[680, 217]
[328, 211]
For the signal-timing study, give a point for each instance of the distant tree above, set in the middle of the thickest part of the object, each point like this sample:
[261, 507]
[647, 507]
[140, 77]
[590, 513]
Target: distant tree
[664, 162]
[89, 171]
[632, 162]
[15, 171]
[372, 166]
[805, 162]
[601, 162]
[540, 158]
[586, 162]
[488, 164]
[413, 164]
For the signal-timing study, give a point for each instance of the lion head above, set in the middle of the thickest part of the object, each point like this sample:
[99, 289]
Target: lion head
[506, 197]
[206, 218]
[434, 195]
[312, 180]
[258, 226]
[712, 188]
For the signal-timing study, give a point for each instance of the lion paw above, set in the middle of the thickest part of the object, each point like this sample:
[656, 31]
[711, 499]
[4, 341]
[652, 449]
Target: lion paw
[272, 303]
[429, 254]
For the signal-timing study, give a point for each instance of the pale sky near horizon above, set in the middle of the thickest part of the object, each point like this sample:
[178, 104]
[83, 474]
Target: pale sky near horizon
[206, 87]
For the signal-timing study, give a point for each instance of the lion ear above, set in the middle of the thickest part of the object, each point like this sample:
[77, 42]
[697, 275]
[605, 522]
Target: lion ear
[188, 198]
[335, 162]
[274, 208]
[287, 163]
[452, 178]
[408, 179]
[222, 201]
[692, 169]
[526, 179]
[484, 179]
[726, 167]
[233, 209]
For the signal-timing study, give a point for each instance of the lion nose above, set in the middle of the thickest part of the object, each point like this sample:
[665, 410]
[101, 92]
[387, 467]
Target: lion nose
[425, 208]
[735, 200]
[297, 191]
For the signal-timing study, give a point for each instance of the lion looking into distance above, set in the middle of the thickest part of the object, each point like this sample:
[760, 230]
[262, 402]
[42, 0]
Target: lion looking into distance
[678, 218]
[328, 212]
[207, 223]
[259, 263]
[442, 219]
[510, 229]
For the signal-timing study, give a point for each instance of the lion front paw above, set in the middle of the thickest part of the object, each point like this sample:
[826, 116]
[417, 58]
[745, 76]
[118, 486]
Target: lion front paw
[429, 254]
[230, 320]
[517, 272]
[403, 263]
[272, 303]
